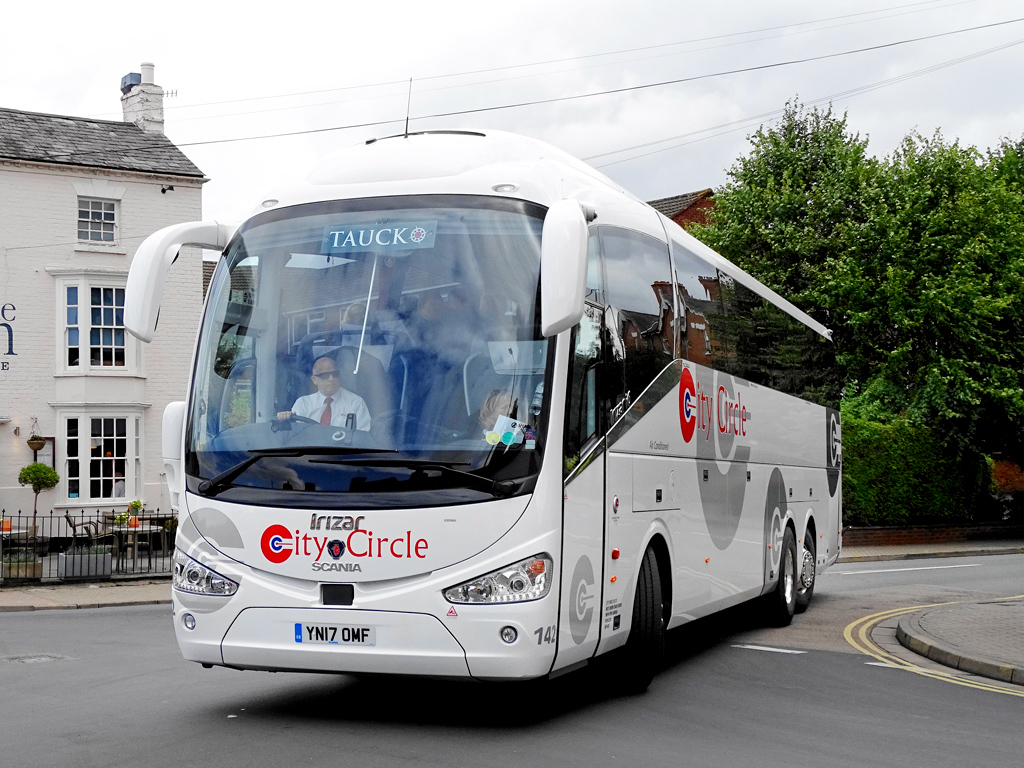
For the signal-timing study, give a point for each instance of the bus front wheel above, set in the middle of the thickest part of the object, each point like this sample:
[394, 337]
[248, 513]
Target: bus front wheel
[645, 647]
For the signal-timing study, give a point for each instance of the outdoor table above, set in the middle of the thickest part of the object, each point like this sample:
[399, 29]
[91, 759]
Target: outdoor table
[128, 536]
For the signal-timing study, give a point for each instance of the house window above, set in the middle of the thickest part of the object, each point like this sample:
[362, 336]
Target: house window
[102, 461]
[97, 220]
[106, 335]
[73, 466]
[89, 331]
[72, 325]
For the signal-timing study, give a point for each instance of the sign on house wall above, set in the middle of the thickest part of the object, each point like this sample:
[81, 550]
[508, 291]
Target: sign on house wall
[7, 315]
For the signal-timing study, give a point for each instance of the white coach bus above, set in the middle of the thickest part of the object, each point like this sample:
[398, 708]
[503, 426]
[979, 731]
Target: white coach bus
[461, 406]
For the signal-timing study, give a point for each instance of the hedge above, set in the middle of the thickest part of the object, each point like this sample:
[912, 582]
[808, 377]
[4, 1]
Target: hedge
[901, 474]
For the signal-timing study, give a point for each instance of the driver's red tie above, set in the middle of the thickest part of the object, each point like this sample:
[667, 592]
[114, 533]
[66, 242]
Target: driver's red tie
[325, 417]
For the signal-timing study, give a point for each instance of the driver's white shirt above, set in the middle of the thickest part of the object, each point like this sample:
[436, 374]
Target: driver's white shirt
[343, 403]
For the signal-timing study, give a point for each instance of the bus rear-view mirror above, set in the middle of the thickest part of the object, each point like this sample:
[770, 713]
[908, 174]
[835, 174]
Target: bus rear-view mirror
[148, 272]
[563, 265]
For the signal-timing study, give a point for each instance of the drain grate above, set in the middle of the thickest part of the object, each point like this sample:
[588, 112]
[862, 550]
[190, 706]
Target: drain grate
[34, 658]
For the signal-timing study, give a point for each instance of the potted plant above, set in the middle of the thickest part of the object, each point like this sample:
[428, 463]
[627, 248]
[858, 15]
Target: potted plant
[87, 560]
[36, 442]
[21, 565]
[41, 478]
[134, 510]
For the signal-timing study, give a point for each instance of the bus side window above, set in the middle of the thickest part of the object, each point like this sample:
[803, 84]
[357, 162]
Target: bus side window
[583, 422]
[640, 314]
[698, 287]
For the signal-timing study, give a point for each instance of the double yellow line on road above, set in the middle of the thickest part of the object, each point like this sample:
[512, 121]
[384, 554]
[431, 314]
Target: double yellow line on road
[858, 634]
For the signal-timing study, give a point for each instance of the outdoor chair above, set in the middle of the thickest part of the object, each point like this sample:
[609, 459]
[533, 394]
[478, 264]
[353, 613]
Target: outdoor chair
[91, 531]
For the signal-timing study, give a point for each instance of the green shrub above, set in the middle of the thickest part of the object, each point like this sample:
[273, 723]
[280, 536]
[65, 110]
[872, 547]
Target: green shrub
[901, 474]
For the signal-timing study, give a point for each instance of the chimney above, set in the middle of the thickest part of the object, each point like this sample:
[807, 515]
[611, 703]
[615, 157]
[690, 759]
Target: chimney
[142, 101]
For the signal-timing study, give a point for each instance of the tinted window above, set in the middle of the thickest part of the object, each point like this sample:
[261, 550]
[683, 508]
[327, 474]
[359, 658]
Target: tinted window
[725, 326]
[640, 311]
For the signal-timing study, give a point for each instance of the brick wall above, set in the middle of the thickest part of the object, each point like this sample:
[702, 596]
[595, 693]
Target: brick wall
[885, 536]
[695, 214]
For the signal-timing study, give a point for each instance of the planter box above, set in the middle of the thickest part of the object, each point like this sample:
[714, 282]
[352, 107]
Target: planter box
[84, 566]
[22, 571]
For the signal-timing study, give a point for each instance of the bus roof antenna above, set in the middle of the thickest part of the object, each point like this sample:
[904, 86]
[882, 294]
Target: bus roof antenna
[408, 102]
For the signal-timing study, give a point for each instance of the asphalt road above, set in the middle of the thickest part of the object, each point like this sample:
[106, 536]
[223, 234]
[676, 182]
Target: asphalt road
[107, 688]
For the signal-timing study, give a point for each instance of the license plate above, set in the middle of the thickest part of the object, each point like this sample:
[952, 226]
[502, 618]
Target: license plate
[334, 634]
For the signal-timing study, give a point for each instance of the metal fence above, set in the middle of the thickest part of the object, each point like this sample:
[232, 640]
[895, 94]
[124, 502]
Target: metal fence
[84, 546]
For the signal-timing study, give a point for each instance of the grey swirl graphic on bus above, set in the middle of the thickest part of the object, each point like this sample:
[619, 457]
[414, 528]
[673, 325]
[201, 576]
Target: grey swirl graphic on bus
[721, 494]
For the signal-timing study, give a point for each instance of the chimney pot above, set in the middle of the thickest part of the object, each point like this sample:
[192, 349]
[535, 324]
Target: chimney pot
[143, 100]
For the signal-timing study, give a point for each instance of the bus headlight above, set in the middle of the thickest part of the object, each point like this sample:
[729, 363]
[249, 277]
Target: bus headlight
[194, 577]
[529, 579]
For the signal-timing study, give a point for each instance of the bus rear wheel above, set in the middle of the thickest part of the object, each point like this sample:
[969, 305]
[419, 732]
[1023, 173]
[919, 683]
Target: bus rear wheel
[645, 648]
[781, 601]
[806, 573]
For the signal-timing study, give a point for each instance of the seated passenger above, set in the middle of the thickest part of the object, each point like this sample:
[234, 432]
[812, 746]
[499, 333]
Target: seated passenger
[331, 404]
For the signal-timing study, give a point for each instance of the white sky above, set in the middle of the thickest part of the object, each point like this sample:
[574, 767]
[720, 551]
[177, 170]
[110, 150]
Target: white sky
[70, 60]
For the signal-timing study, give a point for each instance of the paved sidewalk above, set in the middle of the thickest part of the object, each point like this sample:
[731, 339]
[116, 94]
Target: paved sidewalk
[865, 554]
[67, 596]
[985, 638]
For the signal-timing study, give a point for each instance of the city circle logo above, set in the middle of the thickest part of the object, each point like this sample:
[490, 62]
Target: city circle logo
[835, 441]
[687, 405]
[336, 548]
[418, 234]
[276, 543]
[581, 612]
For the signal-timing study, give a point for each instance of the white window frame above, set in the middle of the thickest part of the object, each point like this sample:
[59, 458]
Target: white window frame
[102, 219]
[102, 191]
[85, 280]
[134, 459]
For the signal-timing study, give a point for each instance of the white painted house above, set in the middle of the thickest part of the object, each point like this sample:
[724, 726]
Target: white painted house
[77, 197]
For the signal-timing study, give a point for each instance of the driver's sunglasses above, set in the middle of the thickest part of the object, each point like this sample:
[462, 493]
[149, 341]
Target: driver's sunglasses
[326, 375]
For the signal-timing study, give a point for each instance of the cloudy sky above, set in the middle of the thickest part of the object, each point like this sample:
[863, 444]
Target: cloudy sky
[317, 67]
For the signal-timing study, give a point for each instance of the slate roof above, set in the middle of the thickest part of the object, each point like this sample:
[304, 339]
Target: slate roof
[671, 206]
[93, 143]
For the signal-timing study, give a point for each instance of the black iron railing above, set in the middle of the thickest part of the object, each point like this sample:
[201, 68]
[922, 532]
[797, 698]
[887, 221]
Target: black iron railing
[84, 545]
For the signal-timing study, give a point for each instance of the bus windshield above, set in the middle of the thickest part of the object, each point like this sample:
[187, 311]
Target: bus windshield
[373, 353]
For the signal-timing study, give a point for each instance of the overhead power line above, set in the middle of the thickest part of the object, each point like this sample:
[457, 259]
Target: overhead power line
[575, 97]
[478, 83]
[882, 13]
[752, 120]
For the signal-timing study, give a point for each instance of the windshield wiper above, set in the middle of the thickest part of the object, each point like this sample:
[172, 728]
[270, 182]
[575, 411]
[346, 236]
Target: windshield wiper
[497, 487]
[217, 484]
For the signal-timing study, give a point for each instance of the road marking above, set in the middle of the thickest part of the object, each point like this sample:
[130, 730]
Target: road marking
[898, 570]
[766, 648]
[858, 634]
[880, 664]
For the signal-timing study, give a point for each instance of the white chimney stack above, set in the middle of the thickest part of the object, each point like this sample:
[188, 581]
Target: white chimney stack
[142, 100]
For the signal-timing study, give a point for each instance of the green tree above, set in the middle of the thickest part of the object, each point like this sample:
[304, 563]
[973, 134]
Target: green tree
[916, 262]
[796, 211]
[941, 335]
[41, 478]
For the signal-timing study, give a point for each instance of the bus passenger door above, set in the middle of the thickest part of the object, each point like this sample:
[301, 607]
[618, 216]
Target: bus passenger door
[583, 498]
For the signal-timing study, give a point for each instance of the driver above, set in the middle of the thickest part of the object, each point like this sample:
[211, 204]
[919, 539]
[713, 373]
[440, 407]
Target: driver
[331, 404]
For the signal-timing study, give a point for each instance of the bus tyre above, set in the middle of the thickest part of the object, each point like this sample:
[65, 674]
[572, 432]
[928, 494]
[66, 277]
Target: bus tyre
[645, 647]
[805, 573]
[781, 601]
